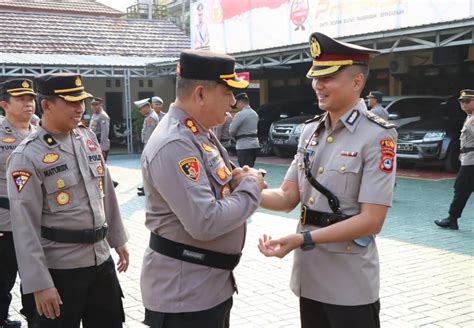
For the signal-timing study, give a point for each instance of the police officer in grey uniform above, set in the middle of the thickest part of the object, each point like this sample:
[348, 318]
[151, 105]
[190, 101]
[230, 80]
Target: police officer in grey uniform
[244, 130]
[375, 104]
[17, 96]
[195, 211]
[343, 174]
[222, 131]
[65, 214]
[100, 124]
[464, 185]
[157, 105]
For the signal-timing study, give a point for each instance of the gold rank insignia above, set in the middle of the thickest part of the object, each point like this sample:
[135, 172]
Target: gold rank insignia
[101, 185]
[191, 125]
[315, 48]
[50, 158]
[207, 148]
[63, 198]
[225, 190]
[60, 183]
[20, 178]
[8, 140]
[221, 173]
[25, 84]
[100, 169]
[78, 82]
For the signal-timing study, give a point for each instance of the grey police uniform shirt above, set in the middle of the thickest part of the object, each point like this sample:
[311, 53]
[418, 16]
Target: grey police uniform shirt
[60, 182]
[100, 125]
[9, 140]
[356, 162]
[186, 177]
[467, 140]
[149, 124]
[245, 122]
[222, 131]
[380, 111]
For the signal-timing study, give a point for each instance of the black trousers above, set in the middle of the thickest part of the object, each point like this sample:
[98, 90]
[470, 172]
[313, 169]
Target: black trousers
[91, 294]
[8, 270]
[463, 188]
[247, 156]
[216, 317]
[322, 315]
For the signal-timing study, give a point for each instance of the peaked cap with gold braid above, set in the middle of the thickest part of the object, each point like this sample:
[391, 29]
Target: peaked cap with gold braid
[330, 56]
[67, 86]
[16, 88]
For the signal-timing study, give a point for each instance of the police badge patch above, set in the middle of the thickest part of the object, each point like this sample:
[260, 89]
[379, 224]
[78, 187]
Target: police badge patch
[20, 178]
[190, 168]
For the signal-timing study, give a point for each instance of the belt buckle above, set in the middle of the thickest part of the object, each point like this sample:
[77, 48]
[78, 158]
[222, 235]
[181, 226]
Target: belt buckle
[303, 215]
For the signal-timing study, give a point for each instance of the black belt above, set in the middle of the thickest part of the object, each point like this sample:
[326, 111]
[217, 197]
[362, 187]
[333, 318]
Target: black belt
[4, 203]
[465, 150]
[87, 236]
[251, 135]
[320, 219]
[193, 254]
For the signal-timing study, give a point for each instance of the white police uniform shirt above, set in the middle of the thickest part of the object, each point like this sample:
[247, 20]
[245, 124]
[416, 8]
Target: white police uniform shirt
[467, 140]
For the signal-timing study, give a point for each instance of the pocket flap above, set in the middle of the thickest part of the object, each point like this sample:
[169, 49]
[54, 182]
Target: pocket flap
[59, 182]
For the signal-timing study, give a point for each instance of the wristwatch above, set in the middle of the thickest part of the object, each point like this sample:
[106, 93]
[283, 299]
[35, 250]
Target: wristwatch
[308, 242]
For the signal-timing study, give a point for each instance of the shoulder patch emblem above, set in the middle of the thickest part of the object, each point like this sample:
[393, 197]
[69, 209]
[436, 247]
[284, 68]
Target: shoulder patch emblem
[191, 125]
[190, 168]
[207, 148]
[20, 178]
[50, 158]
[8, 140]
[387, 147]
[379, 121]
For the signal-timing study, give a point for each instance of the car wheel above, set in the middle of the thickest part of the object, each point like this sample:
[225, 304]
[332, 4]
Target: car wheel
[452, 163]
[266, 148]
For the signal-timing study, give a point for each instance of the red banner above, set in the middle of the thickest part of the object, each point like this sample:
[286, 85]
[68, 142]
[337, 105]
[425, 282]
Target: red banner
[231, 8]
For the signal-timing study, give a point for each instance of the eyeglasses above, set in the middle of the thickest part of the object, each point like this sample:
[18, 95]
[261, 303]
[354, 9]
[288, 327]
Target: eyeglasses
[465, 101]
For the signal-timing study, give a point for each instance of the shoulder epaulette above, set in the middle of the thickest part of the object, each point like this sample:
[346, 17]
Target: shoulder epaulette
[314, 119]
[379, 121]
[32, 136]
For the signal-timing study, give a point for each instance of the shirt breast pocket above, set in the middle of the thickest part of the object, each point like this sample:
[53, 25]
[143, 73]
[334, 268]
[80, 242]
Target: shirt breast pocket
[61, 191]
[345, 175]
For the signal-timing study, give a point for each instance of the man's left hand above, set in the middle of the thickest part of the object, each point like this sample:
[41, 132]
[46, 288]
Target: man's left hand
[123, 262]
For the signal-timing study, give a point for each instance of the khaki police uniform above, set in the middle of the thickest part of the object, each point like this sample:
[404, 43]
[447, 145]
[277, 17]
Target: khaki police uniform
[149, 124]
[58, 185]
[464, 184]
[10, 138]
[189, 200]
[100, 124]
[355, 161]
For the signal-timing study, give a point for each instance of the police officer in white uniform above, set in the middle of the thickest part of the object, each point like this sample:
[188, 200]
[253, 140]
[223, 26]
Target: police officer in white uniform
[100, 125]
[195, 212]
[244, 130]
[343, 174]
[65, 214]
[17, 97]
[157, 105]
[375, 104]
[464, 185]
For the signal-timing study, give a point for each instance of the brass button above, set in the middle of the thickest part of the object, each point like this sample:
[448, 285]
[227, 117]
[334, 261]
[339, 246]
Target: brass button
[321, 170]
[311, 200]
[343, 168]
[348, 247]
[330, 139]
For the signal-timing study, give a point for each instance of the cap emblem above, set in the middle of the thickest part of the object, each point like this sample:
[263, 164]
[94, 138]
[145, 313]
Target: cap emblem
[315, 48]
[25, 84]
[78, 82]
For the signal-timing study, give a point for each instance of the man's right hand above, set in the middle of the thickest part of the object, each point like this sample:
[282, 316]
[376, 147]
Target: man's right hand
[48, 302]
[239, 173]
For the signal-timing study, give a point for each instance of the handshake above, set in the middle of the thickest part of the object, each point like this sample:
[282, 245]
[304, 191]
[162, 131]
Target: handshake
[240, 173]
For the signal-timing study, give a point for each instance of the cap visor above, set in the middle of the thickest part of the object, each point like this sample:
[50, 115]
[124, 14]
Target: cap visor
[322, 71]
[76, 97]
[21, 93]
[236, 83]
